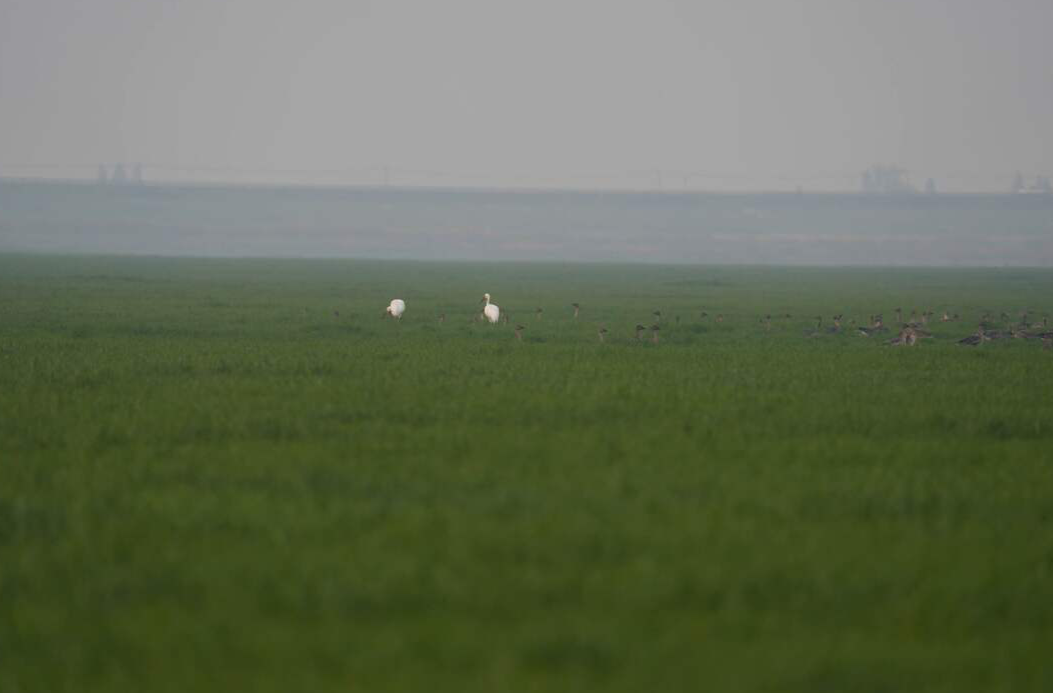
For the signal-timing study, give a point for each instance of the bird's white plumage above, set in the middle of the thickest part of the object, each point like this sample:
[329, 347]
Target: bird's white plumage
[396, 308]
[491, 311]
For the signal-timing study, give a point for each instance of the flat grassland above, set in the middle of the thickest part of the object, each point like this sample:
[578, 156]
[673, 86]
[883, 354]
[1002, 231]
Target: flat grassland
[234, 475]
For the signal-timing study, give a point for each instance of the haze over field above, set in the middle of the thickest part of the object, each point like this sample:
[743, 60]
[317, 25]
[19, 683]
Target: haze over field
[722, 95]
[937, 230]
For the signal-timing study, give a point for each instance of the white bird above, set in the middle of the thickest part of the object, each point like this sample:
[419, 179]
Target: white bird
[491, 311]
[396, 309]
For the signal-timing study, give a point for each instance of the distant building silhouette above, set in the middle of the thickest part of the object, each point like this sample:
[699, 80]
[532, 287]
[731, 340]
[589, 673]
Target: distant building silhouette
[1041, 186]
[888, 180]
[1018, 183]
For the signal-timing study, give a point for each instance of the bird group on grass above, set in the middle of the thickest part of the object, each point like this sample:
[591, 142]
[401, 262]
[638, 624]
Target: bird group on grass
[911, 330]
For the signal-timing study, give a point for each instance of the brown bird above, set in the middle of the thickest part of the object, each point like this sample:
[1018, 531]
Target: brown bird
[975, 339]
[639, 331]
[519, 332]
[537, 313]
[720, 317]
[657, 316]
[906, 337]
[654, 333]
[703, 315]
[442, 317]
[576, 308]
[602, 333]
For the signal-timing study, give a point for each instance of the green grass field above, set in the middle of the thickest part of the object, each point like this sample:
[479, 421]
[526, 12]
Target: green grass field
[211, 482]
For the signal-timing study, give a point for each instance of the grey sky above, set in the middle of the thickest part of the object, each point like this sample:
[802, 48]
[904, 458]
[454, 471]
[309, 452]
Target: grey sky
[756, 93]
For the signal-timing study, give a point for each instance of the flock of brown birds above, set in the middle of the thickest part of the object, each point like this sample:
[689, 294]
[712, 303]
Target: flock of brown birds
[914, 329]
[602, 332]
[911, 329]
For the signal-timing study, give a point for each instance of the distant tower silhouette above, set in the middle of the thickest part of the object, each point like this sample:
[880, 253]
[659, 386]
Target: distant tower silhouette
[119, 177]
[101, 177]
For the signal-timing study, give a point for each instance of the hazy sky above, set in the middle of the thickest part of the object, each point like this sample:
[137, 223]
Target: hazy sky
[755, 93]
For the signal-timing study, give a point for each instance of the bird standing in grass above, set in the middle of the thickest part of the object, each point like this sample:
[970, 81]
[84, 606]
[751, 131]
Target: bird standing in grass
[1044, 335]
[657, 316]
[537, 313]
[654, 333]
[577, 309]
[974, 339]
[602, 333]
[639, 331]
[442, 317]
[490, 311]
[906, 337]
[395, 309]
[519, 332]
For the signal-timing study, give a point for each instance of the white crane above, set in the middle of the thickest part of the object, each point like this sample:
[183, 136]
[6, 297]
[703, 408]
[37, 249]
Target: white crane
[491, 311]
[396, 309]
